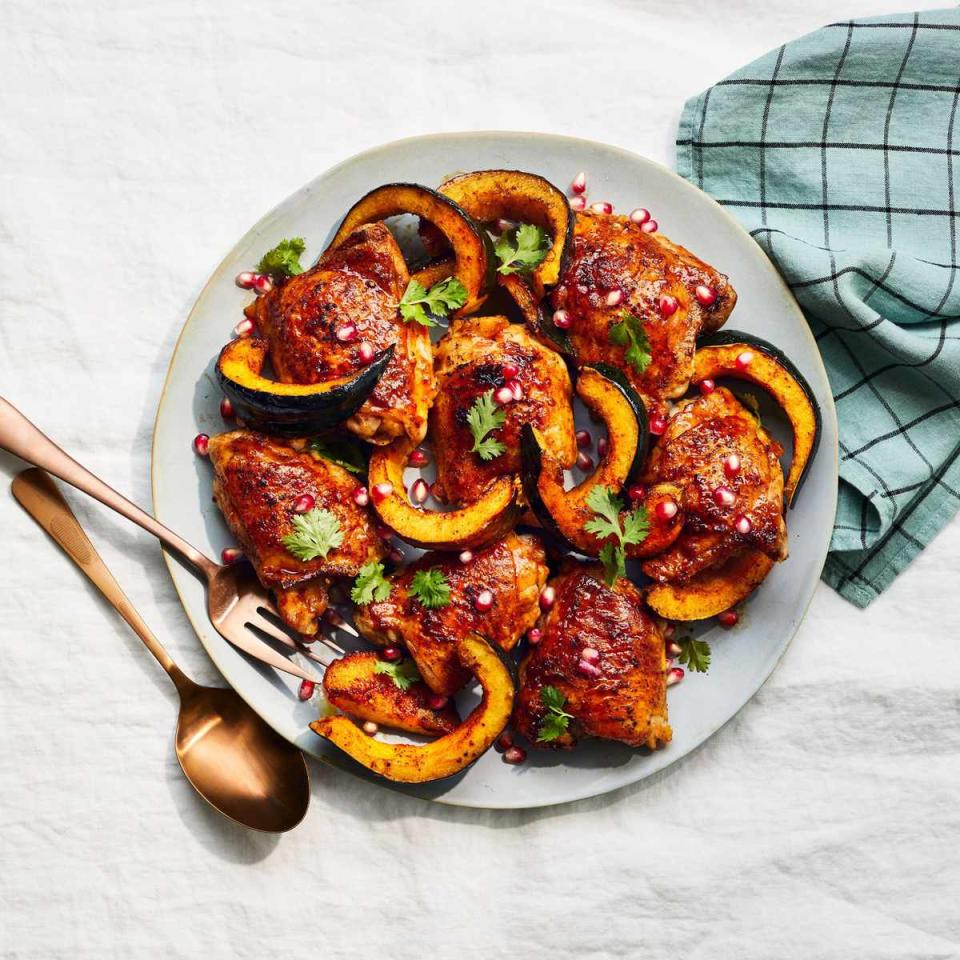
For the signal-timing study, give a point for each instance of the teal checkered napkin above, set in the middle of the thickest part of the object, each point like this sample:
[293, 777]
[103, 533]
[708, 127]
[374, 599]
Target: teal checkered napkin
[840, 153]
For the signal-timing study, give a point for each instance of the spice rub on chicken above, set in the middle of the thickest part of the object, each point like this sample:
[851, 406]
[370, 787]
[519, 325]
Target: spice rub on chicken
[257, 483]
[490, 362]
[599, 669]
[319, 322]
[617, 272]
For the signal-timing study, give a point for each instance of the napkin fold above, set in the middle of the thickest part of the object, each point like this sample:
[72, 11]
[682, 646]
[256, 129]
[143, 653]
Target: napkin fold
[840, 153]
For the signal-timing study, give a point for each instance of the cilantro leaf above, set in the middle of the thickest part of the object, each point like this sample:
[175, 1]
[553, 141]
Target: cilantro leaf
[521, 249]
[430, 587]
[284, 259]
[556, 720]
[370, 584]
[404, 674]
[614, 560]
[629, 333]
[315, 534]
[422, 305]
[636, 526]
[343, 452]
[483, 417]
[695, 654]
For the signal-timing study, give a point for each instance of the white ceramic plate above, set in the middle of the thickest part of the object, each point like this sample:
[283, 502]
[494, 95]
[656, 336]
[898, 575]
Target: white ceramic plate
[742, 658]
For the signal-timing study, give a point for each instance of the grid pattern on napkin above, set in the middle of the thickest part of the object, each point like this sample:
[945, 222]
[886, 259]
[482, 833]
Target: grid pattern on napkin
[840, 153]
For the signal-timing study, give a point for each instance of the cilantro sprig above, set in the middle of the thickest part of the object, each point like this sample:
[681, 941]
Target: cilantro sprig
[519, 250]
[482, 418]
[630, 334]
[343, 452]
[315, 534]
[556, 720]
[430, 587]
[603, 502]
[370, 584]
[404, 674]
[695, 654]
[423, 306]
[284, 259]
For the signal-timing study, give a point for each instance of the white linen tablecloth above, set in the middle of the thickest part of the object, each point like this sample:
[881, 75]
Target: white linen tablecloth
[139, 140]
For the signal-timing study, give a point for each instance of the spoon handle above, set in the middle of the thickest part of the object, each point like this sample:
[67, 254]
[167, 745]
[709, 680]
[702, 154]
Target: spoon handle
[39, 496]
[20, 436]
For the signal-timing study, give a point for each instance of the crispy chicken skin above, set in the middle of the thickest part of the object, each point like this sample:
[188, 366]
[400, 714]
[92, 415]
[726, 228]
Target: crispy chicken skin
[613, 253]
[469, 362]
[700, 435]
[628, 700]
[353, 685]
[514, 569]
[256, 481]
[360, 282]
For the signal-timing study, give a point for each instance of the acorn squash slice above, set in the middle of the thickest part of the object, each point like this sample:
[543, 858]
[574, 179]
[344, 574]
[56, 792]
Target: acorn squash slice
[717, 356]
[712, 591]
[472, 525]
[535, 314]
[467, 240]
[450, 754]
[290, 409]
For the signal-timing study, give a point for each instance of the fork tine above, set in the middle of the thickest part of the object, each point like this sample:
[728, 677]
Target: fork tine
[335, 619]
[246, 641]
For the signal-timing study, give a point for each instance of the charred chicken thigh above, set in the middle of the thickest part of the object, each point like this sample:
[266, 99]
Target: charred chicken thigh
[316, 321]
[673, 295]
[621, 693]
[514, 570]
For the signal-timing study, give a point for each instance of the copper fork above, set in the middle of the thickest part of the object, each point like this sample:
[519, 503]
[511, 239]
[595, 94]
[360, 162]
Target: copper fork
[236, 601]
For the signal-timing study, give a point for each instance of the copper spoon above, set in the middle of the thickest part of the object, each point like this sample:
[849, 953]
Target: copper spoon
[235, 761]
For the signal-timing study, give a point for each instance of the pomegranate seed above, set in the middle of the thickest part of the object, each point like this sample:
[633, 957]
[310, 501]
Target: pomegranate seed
[262, 284]
[731, 465]
[516, 390]
[675, 675]
[658, 424]
[578, 204]
[669, 630]
[391, 654]
[333, 618]
[360, 496]
[419, 491]
[381, 491]
[728, 619]
[306, 689]
[510, 371]
[706, 387]
[534, 636]
[637, 492]
[201, 444]
[590, 655]
[304, 503]
[436, 492]
[548, 597]
[370, 728]
[579, 184]
[246, 280]
[394, 556]
[588, 669]
[244, 328]
[503, 396]
[383, 531]
[650, 226]
[584, 440]
[366, 352]
[466, 556]
[666, 510]
[724, 497]
[744, 359]
[602, 447]
[668, 305]
[226, 409]
[347, 332]
[503, 742]
[602, 207]
[640, 215]
[562, 320]
[514, 755]
[674, 649]
[705, 295]
[742, 525]
[418, 458]
[614, 298]
[484, 601]
[230, 555]
[438, 701]
[584, 461]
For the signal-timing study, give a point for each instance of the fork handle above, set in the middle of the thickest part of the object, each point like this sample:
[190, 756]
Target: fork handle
[19, 436]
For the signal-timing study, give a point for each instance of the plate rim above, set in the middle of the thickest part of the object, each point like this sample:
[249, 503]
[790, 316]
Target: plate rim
[828, 413]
